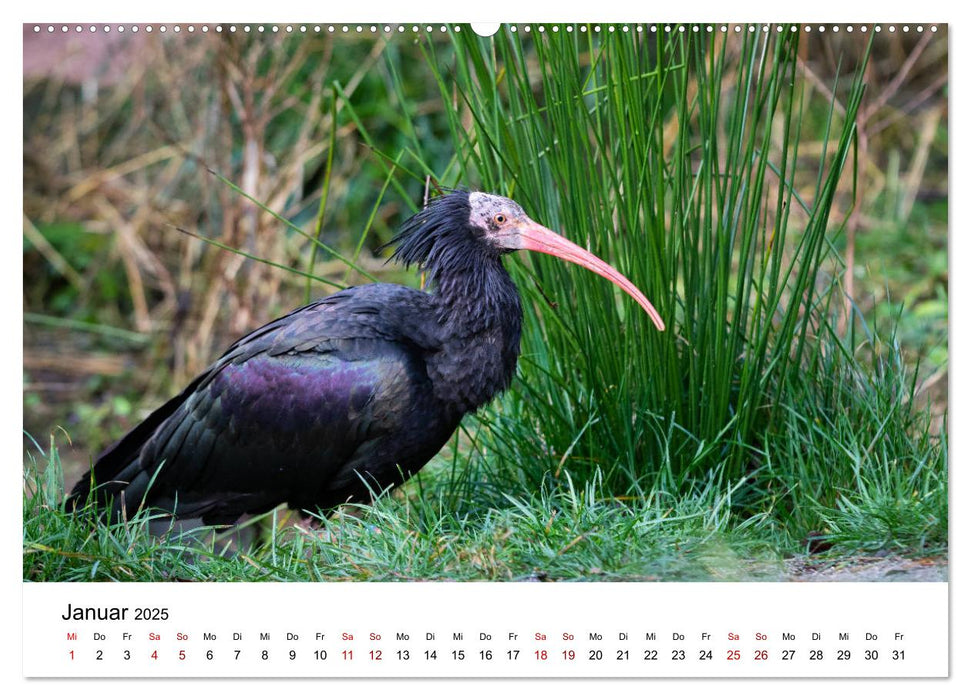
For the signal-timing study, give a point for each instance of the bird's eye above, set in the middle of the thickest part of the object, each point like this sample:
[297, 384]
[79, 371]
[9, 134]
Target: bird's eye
[499, 219]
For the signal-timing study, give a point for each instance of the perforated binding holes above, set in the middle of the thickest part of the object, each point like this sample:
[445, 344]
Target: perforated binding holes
[488, 30]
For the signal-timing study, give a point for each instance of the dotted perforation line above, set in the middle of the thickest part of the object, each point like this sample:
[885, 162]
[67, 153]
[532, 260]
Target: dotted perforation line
[723, 28]
[442, 28]
[245, 28]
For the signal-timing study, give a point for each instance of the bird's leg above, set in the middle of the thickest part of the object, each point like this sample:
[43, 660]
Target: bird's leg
[319, 528]
[314, 525]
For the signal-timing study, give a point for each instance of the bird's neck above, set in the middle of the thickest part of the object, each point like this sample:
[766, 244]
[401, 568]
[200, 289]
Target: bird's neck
[481, 314]
[479, 297]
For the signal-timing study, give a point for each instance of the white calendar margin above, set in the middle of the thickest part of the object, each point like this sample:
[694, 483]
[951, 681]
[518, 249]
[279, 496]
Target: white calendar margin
[279, 617]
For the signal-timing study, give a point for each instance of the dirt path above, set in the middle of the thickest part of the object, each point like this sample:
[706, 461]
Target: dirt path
[868, 568]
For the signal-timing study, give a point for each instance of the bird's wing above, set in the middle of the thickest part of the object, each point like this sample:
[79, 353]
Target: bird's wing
[282, 411]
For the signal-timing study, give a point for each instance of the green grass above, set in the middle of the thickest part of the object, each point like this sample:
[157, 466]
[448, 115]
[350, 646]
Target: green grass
[577, 534]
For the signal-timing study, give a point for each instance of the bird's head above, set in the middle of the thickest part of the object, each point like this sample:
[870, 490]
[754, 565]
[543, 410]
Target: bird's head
[442, 234]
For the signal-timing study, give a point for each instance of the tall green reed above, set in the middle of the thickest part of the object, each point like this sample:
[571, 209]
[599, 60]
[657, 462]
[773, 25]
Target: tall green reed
[675, 156]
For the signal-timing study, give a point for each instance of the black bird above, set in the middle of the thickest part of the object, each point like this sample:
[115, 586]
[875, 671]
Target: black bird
[349, 395]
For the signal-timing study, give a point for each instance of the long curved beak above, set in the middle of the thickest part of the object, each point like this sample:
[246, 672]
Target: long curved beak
[542, 240]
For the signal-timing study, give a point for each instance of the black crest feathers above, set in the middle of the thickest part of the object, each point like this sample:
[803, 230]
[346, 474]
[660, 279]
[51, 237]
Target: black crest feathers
[430, 238]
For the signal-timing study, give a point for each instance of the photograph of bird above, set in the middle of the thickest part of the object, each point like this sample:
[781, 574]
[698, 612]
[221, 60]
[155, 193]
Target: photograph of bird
[350, 395]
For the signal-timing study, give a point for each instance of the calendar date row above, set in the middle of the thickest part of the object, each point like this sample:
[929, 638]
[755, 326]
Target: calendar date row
[485, 655]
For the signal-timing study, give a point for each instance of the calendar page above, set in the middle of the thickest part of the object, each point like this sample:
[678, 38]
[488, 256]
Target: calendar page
[514, 350]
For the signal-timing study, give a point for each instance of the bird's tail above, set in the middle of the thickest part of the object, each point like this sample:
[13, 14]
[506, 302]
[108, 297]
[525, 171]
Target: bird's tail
[119, 481]
[115, 498]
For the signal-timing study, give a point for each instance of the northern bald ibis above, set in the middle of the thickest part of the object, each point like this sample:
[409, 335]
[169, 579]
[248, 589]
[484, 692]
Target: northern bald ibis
[349, 395]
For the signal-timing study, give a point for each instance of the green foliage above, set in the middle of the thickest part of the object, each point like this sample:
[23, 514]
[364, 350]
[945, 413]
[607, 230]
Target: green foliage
[911, 294]
[79, 249]
[853, 456]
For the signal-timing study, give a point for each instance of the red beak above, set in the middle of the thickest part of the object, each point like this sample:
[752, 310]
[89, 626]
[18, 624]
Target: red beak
[542, 240]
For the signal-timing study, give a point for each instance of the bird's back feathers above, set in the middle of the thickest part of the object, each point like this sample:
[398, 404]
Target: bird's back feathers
[292, 412]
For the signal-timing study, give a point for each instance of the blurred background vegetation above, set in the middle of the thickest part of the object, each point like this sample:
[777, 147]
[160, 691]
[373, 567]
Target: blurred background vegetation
[139, 146]
[121, 135]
